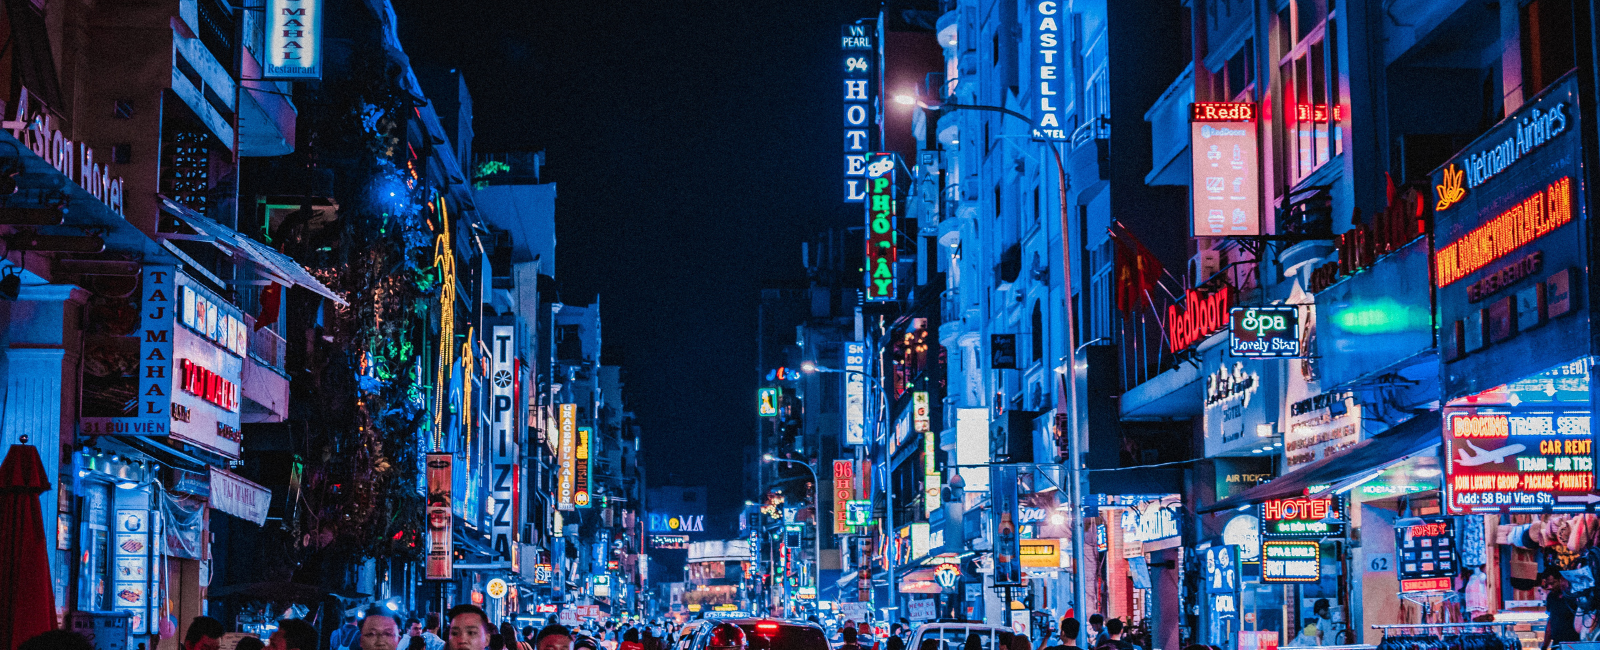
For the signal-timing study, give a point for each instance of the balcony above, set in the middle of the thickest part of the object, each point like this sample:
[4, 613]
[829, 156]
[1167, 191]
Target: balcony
[1091, 150]
[265, 384]
[1169, 132]
[266, 114]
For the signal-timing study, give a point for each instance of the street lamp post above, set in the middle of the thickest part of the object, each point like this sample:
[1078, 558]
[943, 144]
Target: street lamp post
[816, 518]
[888, 510]
[1068, 400]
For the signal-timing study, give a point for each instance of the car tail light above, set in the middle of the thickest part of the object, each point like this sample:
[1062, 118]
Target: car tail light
[766, 628]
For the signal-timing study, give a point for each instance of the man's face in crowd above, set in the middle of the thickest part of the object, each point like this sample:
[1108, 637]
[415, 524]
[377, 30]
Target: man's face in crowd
[379, 633]
[414, 630]
[555, 642]
[205, 643]
[468, 632]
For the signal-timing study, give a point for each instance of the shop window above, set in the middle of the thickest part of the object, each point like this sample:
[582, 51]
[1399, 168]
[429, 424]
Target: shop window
[1547, 51]
[1312, 113]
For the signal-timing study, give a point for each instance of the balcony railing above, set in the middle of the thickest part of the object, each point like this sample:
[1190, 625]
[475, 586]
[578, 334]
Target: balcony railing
[266, 344]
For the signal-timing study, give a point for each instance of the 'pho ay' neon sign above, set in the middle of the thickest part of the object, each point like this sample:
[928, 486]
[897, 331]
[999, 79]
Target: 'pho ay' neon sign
[881, 254]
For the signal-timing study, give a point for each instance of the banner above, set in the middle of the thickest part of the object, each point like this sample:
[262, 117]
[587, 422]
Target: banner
[1007, 541]
[441, 536]
[239, 497]
[855, 393]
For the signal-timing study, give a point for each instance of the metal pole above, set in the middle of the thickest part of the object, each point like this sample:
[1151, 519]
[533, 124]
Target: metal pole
[1070, 390]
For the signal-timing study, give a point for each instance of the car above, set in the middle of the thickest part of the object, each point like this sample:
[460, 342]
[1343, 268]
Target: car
[953, 636]
[759, 633]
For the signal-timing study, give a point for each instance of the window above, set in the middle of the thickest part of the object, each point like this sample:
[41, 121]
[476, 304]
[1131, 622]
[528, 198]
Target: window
[1038, 332]
[1312, 113]
[1546, 44]
[1236, 81]
[1036, 204]
[997, 197]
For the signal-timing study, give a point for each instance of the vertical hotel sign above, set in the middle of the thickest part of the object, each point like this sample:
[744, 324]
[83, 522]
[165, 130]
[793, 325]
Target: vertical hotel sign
[881, 249]
[860, 106]
[844, 491]
[503, 420]
[441, 539]
[140, 404]
[294, 39]
[567, 456]
[855, 393]
[1049, 99]
[1226, 194]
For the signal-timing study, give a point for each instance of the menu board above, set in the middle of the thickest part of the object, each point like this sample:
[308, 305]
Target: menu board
[130, 567]
[1426, 557]
[1500, 459]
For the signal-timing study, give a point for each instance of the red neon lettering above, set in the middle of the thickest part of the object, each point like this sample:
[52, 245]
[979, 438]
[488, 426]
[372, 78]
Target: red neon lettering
[1526, 221]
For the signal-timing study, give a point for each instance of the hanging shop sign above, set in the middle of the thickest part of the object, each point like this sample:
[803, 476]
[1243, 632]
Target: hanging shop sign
[205, 406]
[1509, 223]
[882, 235]
[1243, 532]
[1302, 517]
[1007, 537]
[844, 491]
[1291, 561]
[1202, 315]
[1509, 460]
[1048, 116]
[239, 496]
[127, 380]
[767, 402]
[1265, 332]
[1319, 427]
[858, 512]
[582, 474]
[1237, 474]
[1222, 572]
[860, 105]
[1376, 319]
[1236, 400]
[947, 575]
[1003, 351]
[1040, 553]
[919, 412]
[1226, 197]
[503, 437]
[1425, 555]
[669, 542]
[855, 393]
[566, 477]
[441, 533]
[294, 39]
[1152, 522]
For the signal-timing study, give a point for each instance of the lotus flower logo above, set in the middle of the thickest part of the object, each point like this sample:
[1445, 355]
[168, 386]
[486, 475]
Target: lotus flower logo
[1451, 191]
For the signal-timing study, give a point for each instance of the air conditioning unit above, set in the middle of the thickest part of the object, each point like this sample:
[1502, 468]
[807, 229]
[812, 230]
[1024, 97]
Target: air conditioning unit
[1203, 265]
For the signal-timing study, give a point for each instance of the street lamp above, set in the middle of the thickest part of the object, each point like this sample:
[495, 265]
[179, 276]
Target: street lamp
[1068, 401]
[816, 519]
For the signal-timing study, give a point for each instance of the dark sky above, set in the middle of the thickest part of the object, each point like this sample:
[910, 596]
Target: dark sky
[694, 143]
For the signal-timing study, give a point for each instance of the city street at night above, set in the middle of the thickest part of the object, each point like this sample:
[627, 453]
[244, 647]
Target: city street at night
[855, 325]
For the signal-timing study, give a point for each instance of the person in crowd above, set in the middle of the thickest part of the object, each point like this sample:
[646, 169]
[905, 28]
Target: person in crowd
[1070, 627]
[250, 643]
[553, 637]
[379, 630]
[631, 640]
[895, 643]
[1097, 625]
[1020, 642]
[469, 628]
[430, 632]
[205, 633]
[416, 643]
[1324, 613]
[295, 634]
[586, 642]
[848, 633]
[513, 640]
[1562, 625]
[1114, 637]
[59, 640]
[527, 636]
[348, 635]
[497, 641]
[413, 627]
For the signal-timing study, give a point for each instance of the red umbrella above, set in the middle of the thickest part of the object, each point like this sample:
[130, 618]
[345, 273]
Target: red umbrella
[27, 602]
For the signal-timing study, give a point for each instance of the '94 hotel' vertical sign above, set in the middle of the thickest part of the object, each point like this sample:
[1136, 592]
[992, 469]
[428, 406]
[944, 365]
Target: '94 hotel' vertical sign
[860, 106]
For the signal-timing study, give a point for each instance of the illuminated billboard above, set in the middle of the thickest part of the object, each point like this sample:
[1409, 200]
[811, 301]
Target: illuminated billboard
[1050, 91]
[566, 475]
[882, 237]
[860, 104]
[1225, 194]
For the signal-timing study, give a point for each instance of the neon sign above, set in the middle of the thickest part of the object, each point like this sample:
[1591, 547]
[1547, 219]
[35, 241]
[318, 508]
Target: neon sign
[1265, 332]
[1301, 517]
[581, 452]
[1202, 315]
[768, 406]
[444, 259]
[882, 250]
[209, 386]
[1291, 561]
[1049, 66]
[1517, 460]
[567, 475]
[844, 491]
[1534, 217]
[1425, 555]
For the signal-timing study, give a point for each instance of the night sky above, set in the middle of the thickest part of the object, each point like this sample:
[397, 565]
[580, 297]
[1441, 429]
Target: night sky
[694, 144]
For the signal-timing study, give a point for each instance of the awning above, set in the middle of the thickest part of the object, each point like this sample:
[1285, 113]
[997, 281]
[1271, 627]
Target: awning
[281, 268]
[1414, 436]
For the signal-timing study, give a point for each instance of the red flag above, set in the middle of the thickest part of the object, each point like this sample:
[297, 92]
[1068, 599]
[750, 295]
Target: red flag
[270, 298]
[1137, 270]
